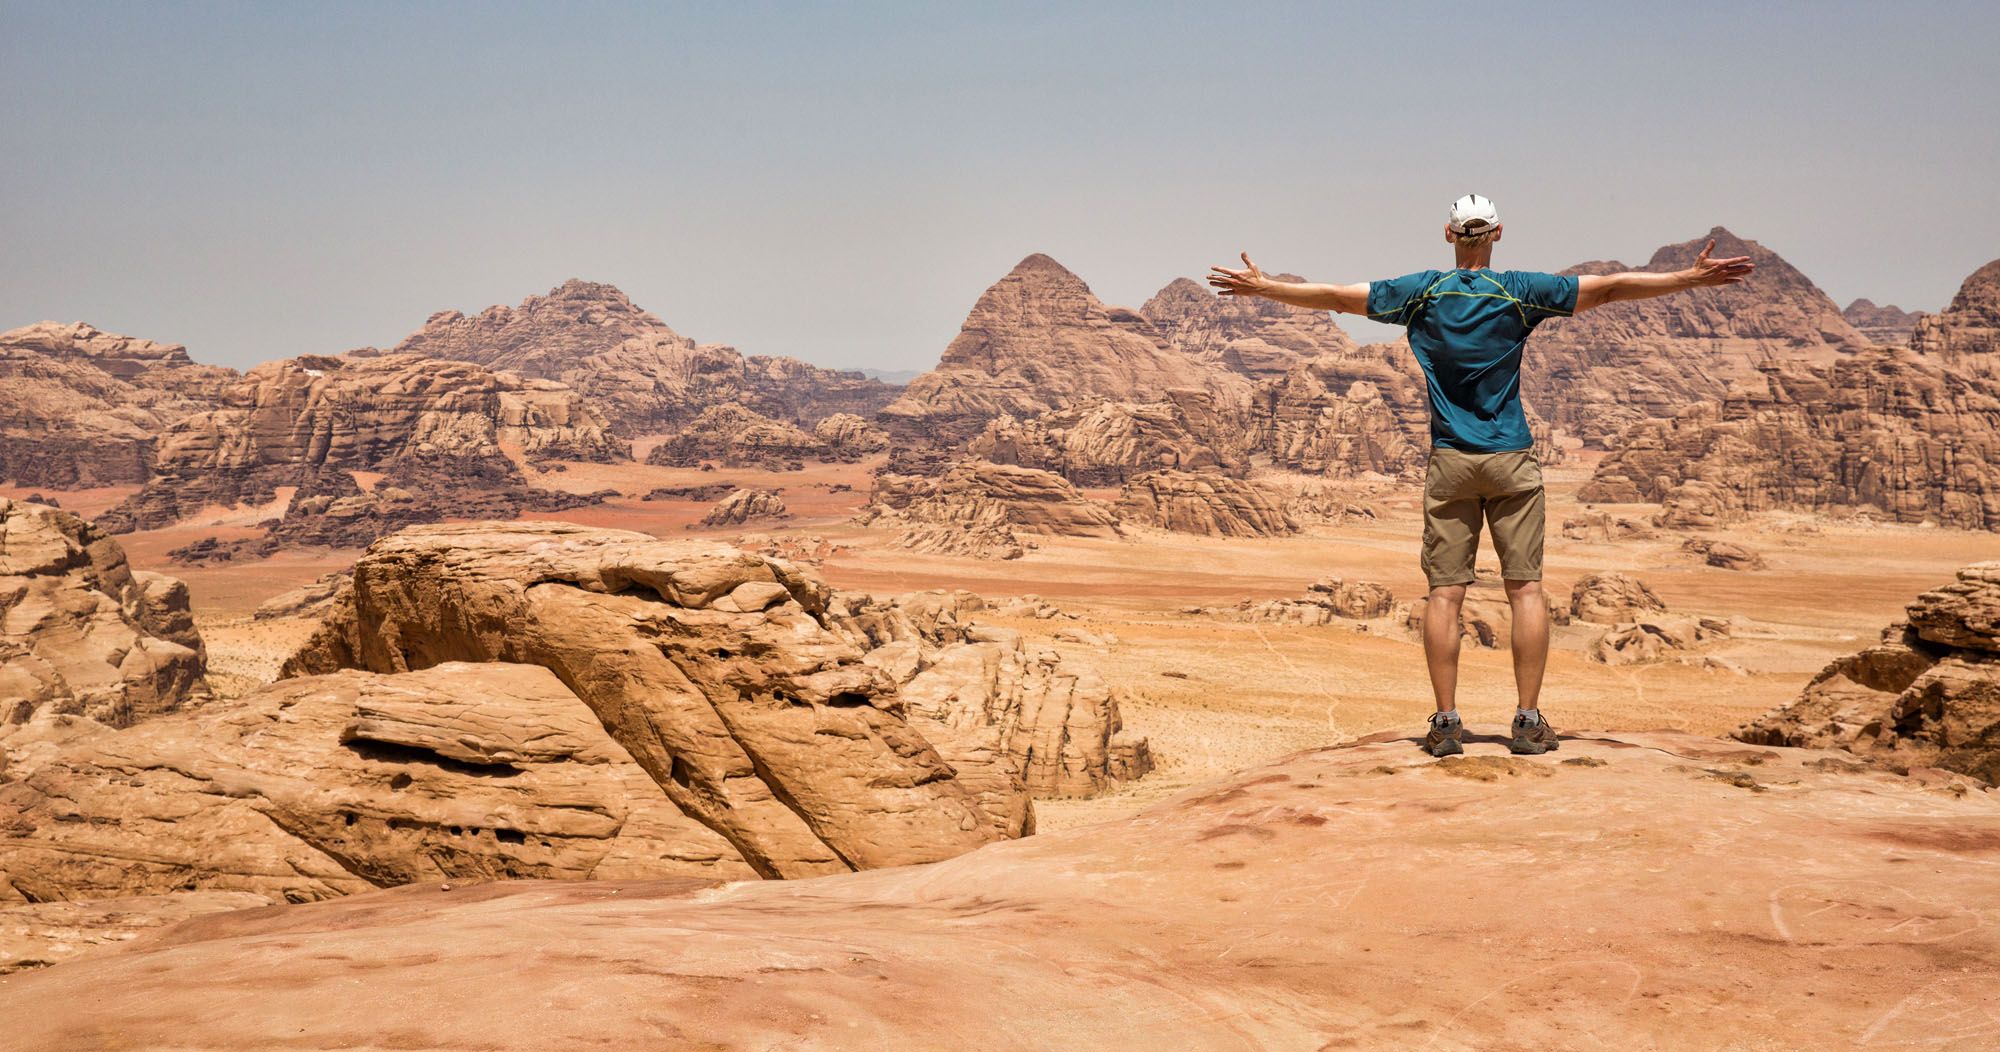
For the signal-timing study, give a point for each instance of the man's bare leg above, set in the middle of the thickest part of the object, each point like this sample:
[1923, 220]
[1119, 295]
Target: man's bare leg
[1531, 641]
[1441, 636]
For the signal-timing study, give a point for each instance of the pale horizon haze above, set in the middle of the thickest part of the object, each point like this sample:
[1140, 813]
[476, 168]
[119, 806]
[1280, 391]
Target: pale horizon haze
[839, 183]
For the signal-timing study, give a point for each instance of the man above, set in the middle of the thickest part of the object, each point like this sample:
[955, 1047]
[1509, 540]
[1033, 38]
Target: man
[1467, 327]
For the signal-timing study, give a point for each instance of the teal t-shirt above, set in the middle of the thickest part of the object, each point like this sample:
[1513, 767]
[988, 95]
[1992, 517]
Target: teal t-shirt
[1467, 328]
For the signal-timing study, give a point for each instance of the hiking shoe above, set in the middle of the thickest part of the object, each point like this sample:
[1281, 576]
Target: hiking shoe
[1532, 736]
[1444, 738]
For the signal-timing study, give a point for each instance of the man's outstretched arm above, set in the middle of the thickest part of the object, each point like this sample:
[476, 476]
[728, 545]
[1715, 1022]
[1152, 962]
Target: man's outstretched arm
[1347, 299]
[1596, 290]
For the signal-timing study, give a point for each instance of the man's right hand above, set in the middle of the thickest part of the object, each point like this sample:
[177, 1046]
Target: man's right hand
[1246, 282]
[1708, 271]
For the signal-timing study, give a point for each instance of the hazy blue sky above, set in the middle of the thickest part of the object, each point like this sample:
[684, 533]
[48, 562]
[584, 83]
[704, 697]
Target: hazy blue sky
[839, 181]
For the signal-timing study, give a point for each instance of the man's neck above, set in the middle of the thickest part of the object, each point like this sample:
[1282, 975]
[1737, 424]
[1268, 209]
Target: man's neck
[1478, 258]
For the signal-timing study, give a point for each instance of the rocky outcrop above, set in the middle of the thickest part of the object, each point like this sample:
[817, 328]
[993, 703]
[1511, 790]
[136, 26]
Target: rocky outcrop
[1328, 600]
[849, 438]
[82, 632]
[80, 407]
[327, 785]
[1965, 336]
[1611, 597]
[642, 375]
[713, 667]
[1258, 338]
[984, 509]
[1097, 442]
[442, 431]
[1886, 430]
[1204, 503]
[1723, 555]
[1599, 373]
[1307, 426]
[733, 436]
[1602, 527]
[745, 505]
[992, 701]
[1928, 694]
[308, 600]
[1655, 637]
[1038, 340]
[1888, 325]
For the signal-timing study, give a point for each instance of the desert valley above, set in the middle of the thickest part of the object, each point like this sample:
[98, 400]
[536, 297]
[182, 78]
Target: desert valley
[550, 677]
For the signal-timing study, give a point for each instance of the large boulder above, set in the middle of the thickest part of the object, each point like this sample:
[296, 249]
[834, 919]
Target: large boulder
[713, 667]
[328, 785]
[1928, 694]
[745, 505]
[1611, 597]
[81, 632]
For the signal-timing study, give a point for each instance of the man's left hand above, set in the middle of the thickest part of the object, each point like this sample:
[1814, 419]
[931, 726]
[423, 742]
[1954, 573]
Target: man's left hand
[1246, 282]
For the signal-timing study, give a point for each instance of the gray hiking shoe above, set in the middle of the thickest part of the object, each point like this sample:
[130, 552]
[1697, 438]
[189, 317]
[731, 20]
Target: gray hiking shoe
[1444, 738]
[1532, 736]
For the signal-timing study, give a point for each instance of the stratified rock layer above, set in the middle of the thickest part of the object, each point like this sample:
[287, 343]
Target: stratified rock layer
[1097, 442]
[1204, 503]
[1927, 694]
[745, 505]
[712, 667]
[980, 508]
[1965, 337]
[733, 436]
[81, 632]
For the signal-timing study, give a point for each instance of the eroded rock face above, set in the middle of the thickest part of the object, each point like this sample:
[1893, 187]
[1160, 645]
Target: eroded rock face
[327, 785]
[745, 505]
[1204, 503]
[1608, 598]
[80, 407]
[981, 508]
[1258, 338]
[713, 667]
[1651, 637]
[1340, 428]
[1039, 340]
[1885, 429]
[1326, 601]
[849, 438]
[1104, 443]
[1724, 555]
[1965, 337]
[1927, 695]
[641, 374]
[440, 430]
[733, 436]
[83, 633]
[1888, 325]
[1601, 372]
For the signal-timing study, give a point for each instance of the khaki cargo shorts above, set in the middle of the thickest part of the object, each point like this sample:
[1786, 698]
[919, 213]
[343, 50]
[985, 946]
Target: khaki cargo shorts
[1460, 488]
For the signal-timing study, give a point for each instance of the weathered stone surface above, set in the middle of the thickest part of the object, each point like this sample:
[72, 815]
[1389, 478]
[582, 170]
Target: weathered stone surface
[1204, 503]
[1888, 325]
[440, 430]
[1965, 337]
[1927, 695]
[980, 508]
[641, 374]
[1608, 598]
[1655, 637]
[849, 438]
[1724, 555]
[1885, 430]
[1308, 425]
[745, 505]
[1259, 338]
[80, 407]
[1097, 442]
[1601, 372]
[1038, 340]
[1332, 851]
[1602, 527]
[81, 632]
[1326, 601]
[713, 667]
[308, 600]
[732, 436]
[328, 785]
[38, 934]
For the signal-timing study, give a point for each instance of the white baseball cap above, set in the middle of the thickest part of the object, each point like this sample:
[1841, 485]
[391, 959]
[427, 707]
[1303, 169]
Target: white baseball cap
[1473, 214]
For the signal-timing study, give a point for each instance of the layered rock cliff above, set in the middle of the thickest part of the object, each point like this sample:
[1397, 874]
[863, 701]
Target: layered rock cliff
[1965, 337]
[1258, 338]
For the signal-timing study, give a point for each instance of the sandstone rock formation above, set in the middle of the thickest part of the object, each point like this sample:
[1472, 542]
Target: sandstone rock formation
[848, 438]
[1307, 425]
[308, 600]
[1256, 337]
[745, 505]
[1655, 637]
[81, 408]
[1204, 503]
[985, 509]
[1039, 340]
[1965, 337]
[1927, 695]
[1887, 325]
[1887, 429]
[1134, 933]
[1609, 598]
[1326, 601]
[713, 667]
[328, 785]
[441, 431]
[1602, 527]
[1599, 373]
[81, 632]
[1723, 555]
[732, 436]
[1097, 442]
[642, 375]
